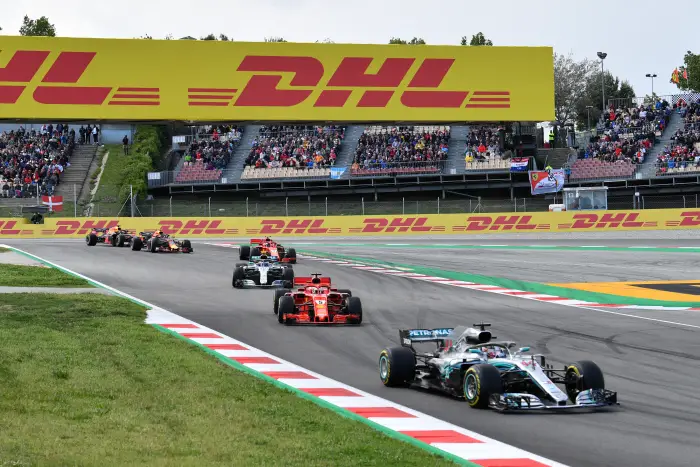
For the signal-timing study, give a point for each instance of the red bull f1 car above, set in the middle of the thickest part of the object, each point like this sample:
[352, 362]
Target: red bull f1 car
[158, 242]
[265, 247]
[315, 301]
[468, 365]
[114, 236]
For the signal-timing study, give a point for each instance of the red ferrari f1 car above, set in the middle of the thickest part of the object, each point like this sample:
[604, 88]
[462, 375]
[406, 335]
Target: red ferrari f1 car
[273, 250]
[316, 302]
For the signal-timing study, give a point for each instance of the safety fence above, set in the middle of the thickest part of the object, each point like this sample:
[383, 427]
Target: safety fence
[320, 206]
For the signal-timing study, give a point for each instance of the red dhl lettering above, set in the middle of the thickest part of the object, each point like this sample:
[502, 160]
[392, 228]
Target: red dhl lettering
[262, 90]
[82, 228]
[191, 227]
[609, 220]
[89, 225]
[398, 224]
[478, 223]
[8, 228]
[690, 219]
[293, 226]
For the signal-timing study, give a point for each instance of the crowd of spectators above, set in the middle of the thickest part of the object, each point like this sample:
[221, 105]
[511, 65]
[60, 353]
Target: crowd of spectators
[387, 148]
[32, 161]
[684, 151]
[213, 147]
[613, 148]
[483, 145]
[646, 120]
[295, 146]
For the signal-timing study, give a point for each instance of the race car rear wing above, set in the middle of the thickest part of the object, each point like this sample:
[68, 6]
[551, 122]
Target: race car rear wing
[409, 336]
[306, 280]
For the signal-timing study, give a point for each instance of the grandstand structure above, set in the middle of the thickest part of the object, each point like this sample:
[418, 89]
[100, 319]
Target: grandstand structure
[638, 144]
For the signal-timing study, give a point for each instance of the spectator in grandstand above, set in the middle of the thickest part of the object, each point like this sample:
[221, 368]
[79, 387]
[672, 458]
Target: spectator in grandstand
[613, 148]
[684, 152]
[295, 146]
[214, 147]
[125, 142]
[402, 147]
[32, 161]
[95, 132]
[483, 142]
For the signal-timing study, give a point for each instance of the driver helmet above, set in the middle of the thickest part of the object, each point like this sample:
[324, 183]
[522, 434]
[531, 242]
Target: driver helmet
[493, 352]
[316, 280]
[267, 239]
[313, 290]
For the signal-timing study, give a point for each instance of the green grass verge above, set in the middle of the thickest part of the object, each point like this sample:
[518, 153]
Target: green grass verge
[85, 382]
[4, 250]
[107, 194]
[14, 275]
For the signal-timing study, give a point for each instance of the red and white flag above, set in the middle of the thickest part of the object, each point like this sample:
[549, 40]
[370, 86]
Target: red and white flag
[55, 203]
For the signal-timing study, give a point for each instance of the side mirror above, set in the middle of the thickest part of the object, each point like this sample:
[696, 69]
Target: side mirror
[523, 349]
[476, 351]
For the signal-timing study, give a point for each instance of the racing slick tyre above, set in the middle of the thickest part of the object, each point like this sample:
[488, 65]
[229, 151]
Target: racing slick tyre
[347, 291]
[187, 246]
[241, 265]
[397, 366]
[279, 293]
[480, 383]
[244, 253]
[152, 245]
[291, 255]
[581, 376]
[355, 308]
[91, 240]
[255, 251]
[238, 276]
[288, 275]
[136, 244]
[120, 240]
[285, 306]
[114, 240]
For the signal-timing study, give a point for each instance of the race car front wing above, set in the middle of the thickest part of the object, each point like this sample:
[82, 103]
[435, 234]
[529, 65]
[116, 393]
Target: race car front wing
[249, 284]
[586, 400]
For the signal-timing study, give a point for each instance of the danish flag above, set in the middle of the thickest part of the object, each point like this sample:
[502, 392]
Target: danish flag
[55, 203]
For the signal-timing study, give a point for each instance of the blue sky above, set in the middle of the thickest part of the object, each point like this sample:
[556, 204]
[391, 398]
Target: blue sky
[640, 37]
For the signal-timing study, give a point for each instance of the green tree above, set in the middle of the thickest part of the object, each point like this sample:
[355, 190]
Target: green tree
[146, 36]
[223, 37]
[210, 37]
[593, 96]
[38, 27]
[275, 39]
[477, 39]
[414, 41]
[691, 64]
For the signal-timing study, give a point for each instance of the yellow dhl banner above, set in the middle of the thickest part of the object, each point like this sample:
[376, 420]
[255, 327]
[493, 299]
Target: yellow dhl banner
[128, 80]
[333, 226]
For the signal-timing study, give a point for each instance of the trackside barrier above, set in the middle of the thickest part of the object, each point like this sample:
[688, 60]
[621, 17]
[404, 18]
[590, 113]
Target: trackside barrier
[334, 226]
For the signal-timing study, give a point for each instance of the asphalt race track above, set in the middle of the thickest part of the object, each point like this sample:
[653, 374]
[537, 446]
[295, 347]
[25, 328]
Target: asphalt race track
[654, 365]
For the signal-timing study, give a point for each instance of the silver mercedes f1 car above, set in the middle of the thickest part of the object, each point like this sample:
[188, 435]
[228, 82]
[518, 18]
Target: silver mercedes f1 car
[469, 365]
[262, 273]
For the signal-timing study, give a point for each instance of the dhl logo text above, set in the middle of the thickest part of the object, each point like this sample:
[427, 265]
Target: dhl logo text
[595, 221]
[500, 223]
[59, 82]
[351, 74]
[399, 224]
[293, 226]
[689, 219]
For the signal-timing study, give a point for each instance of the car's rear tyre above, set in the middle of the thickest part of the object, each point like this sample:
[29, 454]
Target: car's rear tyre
[136, 244]
[355, 308]
[152, 245]
[187, 246]
[288, 275]
[120, 240]
[345, 291]
[480, 383]
[291, 255]
[285, 307]
[397, 366]
[581, 376]
[244, 253]
[279, 293]
[91, 240]
[114, 240]
[238, 276]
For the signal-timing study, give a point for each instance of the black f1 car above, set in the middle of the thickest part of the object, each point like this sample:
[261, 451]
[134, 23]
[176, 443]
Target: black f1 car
[158, 242]
[114, 236]
[468, 365]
